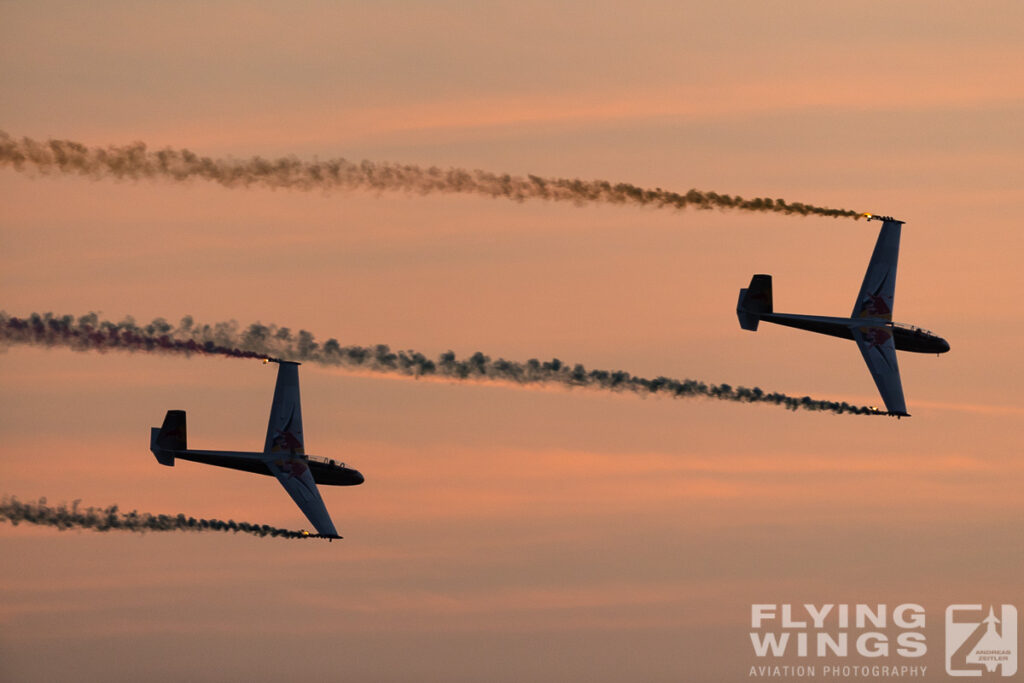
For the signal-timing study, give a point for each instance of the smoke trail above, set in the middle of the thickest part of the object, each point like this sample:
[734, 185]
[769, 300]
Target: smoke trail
[136, 161]
[111, 518]
[89, 333]
[269, 342]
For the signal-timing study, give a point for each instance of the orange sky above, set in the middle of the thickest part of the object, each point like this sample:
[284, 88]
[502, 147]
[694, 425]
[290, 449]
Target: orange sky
[506, 534]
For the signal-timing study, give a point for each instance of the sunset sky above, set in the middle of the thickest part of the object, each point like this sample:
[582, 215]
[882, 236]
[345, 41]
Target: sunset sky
[509, 534]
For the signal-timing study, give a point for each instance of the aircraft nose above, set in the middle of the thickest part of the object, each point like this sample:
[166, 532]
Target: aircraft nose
[357, 477]
[944, 346]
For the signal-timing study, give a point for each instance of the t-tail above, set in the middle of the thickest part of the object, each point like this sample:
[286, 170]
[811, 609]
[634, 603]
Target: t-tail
[755, 301]
[172, 436]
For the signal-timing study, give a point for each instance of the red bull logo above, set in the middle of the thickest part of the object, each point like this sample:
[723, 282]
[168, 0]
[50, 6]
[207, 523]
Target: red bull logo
[286, 442]
[876, 336]
[292, 467]
[875, 306]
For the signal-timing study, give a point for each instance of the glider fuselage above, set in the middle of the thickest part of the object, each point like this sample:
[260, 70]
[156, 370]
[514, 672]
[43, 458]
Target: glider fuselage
[906, 337]
[325, 471]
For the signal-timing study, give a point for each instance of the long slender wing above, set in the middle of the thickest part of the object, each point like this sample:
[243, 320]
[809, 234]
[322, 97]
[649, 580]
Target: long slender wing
[284, 439]
[294, 475]
[878, 347]
[875, 299]
[284, 430]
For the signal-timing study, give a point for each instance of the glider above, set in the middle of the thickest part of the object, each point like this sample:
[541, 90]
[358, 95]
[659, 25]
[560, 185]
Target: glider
[283, 455]
[870, 324]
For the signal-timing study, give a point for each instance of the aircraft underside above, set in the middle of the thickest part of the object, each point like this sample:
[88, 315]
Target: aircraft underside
[284, 453]
[870, 324]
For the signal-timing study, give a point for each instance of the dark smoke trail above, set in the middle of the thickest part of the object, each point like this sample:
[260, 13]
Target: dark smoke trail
[269, 341]
[111, 518]
[136, 161]
[90, 334]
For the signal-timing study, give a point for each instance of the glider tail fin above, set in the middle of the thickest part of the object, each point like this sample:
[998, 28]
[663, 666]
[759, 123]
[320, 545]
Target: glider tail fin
[755, 301]
[168, 438]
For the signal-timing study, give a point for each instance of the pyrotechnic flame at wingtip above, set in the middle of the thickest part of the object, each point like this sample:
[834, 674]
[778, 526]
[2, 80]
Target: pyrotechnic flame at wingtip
[65, 517]
[275, 344]
[136, 161]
